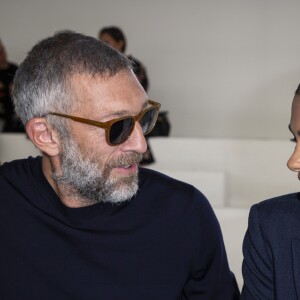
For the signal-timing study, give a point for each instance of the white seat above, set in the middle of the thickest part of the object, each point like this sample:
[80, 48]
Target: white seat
[16, 146]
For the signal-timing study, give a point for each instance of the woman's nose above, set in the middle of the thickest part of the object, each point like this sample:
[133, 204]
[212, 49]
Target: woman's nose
[294, 161]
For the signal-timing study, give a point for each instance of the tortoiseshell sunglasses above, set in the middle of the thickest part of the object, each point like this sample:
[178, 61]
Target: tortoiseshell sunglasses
[118, 131]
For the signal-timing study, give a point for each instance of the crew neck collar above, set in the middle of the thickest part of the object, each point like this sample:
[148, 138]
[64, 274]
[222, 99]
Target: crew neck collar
[81, 216]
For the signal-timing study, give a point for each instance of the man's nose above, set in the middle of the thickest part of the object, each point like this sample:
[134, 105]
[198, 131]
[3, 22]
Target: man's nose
[294, 161]
[136, 141]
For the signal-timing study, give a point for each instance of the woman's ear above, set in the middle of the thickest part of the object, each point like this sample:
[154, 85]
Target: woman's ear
[43, 136]
[120, 45]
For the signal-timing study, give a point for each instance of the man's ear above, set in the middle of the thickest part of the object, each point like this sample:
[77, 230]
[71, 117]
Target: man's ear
[43, 136]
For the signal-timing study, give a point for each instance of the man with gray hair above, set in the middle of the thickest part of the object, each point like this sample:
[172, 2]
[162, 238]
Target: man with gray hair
[84, 221]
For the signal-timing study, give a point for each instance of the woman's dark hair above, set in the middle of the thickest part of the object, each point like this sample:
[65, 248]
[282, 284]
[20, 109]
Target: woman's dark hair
[297, 92]
[116, 33]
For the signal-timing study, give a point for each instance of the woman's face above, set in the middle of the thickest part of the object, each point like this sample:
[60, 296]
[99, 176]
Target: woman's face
[294, 161]
[118, 45]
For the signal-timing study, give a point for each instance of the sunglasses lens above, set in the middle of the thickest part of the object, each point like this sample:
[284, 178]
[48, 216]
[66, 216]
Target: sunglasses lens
[120, 131]
[148, 120]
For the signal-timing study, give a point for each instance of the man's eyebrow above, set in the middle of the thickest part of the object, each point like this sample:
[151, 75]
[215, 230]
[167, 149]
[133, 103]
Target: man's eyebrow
[123, 113]
[115, 114]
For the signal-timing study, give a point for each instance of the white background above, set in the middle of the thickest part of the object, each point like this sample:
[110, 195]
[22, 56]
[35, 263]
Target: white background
[221, 68]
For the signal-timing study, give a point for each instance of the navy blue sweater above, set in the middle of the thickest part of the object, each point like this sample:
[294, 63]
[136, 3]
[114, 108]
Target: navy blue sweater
[165, 243]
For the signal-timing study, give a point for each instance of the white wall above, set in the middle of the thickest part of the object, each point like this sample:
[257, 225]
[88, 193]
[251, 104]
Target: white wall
[221, 68]
[253, 169]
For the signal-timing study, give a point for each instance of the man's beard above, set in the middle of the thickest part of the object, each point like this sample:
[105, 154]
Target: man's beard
[85, 176]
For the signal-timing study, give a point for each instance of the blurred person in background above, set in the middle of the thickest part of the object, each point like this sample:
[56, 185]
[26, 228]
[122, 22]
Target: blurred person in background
[9, 120]
[115, 37]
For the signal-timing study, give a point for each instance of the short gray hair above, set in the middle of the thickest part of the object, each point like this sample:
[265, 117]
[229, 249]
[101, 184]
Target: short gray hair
[42, 82]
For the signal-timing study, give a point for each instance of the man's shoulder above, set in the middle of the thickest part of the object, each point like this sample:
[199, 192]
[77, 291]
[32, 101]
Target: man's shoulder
[171, 190]
[9, 165]
[288, 203]
[279, 214]
[156, 178]
[176, 201]
[16, 168]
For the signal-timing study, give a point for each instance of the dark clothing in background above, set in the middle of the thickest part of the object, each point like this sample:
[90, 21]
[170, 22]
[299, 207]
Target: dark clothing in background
[7, 114]
[162, 126]
[165, 243]
[140, 72]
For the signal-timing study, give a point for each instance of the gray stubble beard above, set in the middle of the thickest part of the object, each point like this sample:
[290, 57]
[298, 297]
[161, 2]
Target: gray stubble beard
[85, 178]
